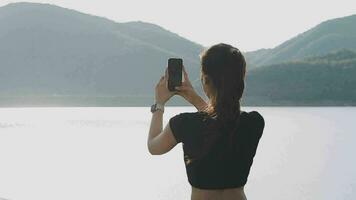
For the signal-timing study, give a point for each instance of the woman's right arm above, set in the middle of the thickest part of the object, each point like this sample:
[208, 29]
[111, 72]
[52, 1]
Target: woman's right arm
[199, 102]
[188, 93]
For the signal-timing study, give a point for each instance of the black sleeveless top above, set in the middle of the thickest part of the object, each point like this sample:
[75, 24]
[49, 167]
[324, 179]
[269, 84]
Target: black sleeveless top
[212, 171]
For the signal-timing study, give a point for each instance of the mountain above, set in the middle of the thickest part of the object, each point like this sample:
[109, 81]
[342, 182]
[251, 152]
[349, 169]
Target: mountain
[328, 36]
[322, 80]
[47, 50]
[53, 56]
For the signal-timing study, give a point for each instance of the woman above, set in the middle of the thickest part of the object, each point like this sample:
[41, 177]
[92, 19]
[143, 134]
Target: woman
[219, 140]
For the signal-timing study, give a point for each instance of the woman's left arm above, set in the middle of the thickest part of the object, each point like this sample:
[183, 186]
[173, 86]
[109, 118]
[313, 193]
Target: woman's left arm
[160, 142]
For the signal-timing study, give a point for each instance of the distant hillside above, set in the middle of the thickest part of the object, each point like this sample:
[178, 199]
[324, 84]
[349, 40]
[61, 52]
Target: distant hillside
[328, 36]
[49, 50]
[52, 56]
[324, 80]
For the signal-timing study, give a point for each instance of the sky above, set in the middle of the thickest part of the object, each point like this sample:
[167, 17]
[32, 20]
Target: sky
[249, 25]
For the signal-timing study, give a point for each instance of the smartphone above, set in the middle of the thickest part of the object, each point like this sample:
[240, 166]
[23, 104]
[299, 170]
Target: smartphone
[175, 66]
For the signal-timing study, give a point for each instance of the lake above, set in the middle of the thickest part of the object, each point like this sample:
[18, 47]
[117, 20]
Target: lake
[101, 153]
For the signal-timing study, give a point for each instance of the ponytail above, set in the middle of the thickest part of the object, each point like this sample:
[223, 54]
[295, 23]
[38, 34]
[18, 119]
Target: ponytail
[224, 67]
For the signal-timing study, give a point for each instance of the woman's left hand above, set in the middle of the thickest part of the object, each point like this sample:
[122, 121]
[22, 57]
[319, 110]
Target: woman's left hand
[162, 93]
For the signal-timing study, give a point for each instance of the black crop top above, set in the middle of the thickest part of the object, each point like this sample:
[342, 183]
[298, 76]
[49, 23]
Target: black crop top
[217, 172]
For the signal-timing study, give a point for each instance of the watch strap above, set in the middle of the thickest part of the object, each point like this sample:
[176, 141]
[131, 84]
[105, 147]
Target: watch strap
[157, 106]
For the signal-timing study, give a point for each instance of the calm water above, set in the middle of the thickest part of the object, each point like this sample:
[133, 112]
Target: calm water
[100, 153]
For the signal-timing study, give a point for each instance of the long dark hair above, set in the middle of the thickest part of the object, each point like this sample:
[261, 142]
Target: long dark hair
[223, 67]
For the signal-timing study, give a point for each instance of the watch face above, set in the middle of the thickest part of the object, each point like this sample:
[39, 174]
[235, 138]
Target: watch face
[153, 108]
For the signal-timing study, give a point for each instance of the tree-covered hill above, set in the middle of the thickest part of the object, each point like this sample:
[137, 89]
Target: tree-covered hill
[324, 80]
[328, 36]
[49, 50]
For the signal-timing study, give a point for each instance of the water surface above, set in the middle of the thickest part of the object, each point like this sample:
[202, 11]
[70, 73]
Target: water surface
[101, 153]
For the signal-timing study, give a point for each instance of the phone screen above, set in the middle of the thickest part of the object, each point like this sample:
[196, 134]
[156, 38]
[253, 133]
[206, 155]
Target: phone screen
[174, 73]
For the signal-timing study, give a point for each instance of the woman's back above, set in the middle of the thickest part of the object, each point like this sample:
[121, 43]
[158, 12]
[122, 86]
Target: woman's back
[220, 171]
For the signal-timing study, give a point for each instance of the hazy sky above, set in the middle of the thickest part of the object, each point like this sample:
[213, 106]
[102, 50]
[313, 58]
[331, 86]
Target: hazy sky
[249, 24]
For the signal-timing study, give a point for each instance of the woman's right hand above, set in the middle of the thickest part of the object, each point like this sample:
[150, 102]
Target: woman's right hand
[187, 91]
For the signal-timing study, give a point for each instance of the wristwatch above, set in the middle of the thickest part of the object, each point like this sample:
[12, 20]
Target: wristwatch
[157, 106]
